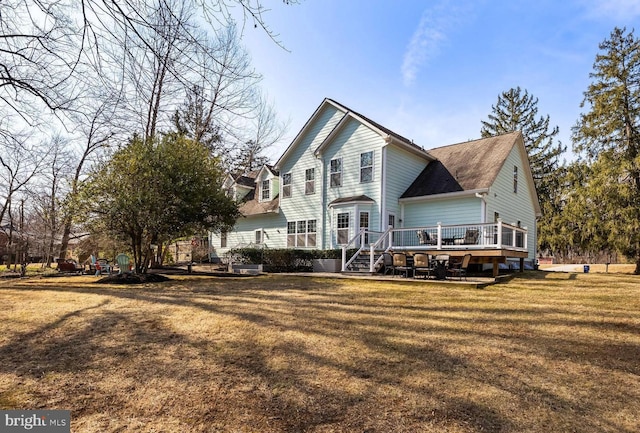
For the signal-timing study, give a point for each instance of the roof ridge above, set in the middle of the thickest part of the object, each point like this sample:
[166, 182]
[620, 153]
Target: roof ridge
[475, 140]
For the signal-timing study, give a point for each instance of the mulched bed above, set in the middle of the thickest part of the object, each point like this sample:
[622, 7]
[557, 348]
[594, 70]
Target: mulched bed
[133, 279]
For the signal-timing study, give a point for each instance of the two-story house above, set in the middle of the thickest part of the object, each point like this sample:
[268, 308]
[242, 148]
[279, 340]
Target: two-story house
[346, 180]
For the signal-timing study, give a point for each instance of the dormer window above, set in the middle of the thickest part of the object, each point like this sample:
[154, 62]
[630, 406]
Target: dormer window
[265, 193]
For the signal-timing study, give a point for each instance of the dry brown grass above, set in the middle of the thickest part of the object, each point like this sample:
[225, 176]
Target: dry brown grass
[542, 353]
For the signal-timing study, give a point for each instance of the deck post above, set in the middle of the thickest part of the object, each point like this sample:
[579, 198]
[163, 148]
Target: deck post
[439, 245]
[372, 258]
[496, 268]
[344, 259]
[499, 240]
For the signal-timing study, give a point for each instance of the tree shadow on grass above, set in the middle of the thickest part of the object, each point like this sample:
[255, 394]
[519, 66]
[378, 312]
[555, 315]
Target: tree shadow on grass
[274, 367]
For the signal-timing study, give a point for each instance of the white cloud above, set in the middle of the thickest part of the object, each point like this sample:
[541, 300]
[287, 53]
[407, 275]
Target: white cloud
[615, 9]
[429, 36]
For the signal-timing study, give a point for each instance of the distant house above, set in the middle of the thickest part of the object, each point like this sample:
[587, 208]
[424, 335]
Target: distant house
[347, 181]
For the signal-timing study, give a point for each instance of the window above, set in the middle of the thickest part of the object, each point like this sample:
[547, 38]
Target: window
[291, 234]
[266, 193]
[515, 179]
[311, 233]
[286, 185]
[343, 228]
[301, 234]
[336, 173]
[259, 236]
[364, 224]
[310, 181]
[366, 167]
[223, 240]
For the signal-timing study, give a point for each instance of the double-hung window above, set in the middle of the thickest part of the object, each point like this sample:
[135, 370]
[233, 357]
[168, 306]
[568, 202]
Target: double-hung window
[266, 190]
[342, 228]
[286, 185]
[310, 181]
[301, 234]
[335, 171]
[366, 167]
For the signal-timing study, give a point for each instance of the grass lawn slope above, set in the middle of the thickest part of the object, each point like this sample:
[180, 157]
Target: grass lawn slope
[545, 352]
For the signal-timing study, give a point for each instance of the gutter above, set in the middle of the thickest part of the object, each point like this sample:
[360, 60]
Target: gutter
[445, 196]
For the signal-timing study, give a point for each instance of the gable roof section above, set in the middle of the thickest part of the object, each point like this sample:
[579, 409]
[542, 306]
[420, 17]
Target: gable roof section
[470, 166]
[389, 135]
[251, 205]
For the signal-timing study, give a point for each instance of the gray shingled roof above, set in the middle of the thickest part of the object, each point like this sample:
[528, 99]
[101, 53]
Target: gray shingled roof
[379, 126]
[463, 167]
[351, 199]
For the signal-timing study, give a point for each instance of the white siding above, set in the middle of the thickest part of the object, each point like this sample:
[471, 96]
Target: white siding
[301, 206]
[448, 211]
[401, 170]
[243, 233]
[514, 207]
[352, 140]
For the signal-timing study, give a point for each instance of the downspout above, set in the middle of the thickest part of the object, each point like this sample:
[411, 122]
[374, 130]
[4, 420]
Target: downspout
[483, 206]
[383, 192]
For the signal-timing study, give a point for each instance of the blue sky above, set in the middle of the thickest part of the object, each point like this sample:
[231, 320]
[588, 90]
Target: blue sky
[431, 70]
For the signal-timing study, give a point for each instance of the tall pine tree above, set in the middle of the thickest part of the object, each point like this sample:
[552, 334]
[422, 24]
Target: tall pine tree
[518, 111]
[608, 137]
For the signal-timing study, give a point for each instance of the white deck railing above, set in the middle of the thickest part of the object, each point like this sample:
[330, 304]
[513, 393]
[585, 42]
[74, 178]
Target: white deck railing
[440, 237]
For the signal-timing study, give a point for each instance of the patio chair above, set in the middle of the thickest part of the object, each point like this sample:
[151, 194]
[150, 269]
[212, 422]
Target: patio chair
[124, 264]
[422, 265]
[460, 269]
[424, 238]
[400, 264]
[470, 238]
[102, 265]
[440, 263]
[387, 263]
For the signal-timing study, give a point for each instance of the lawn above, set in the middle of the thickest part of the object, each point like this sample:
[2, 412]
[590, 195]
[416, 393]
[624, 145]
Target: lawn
[541, 353]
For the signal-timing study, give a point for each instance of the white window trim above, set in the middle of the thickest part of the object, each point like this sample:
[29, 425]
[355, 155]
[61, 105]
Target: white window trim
[313, 181]
[306, 233]
[332, 173]
[372, 166]
[290, 185]
[262, 190]
[255, 237]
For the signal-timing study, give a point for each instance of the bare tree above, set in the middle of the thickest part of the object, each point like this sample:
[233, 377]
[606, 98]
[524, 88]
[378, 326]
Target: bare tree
[20, 161]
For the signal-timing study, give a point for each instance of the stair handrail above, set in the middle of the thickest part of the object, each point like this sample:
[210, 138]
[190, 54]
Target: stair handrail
[346, 263]
[372, 247]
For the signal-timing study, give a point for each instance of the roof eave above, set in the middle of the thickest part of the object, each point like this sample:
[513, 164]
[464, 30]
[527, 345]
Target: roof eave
[445, 196]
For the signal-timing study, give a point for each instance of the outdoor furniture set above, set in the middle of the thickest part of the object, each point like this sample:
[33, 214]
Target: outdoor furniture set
[96, 266]
[417, 265]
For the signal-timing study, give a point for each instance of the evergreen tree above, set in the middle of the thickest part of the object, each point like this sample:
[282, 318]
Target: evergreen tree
[518, 111]
[608, 137]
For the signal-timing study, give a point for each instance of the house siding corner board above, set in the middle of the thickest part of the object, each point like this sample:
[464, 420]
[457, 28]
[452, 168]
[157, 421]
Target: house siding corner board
[513, 207]
[402, 168]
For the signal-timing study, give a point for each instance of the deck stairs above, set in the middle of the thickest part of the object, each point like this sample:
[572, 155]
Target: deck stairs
[360, 265]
